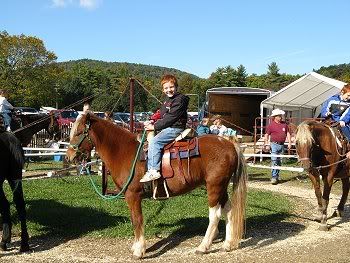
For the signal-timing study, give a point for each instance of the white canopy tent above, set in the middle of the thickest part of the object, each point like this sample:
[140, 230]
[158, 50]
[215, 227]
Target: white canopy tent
[303, 98]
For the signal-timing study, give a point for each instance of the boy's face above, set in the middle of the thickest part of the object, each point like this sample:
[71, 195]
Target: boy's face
[346, 96]
[169, 89]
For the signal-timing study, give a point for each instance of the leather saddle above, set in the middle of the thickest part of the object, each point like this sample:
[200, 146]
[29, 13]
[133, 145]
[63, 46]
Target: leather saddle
[174, 152]
[341, 139]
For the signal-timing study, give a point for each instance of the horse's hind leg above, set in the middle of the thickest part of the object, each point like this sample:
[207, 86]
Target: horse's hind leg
[345, 185]
[212, 230]
[134, 203]
[6, 219]
[227, 246]
[18, 199]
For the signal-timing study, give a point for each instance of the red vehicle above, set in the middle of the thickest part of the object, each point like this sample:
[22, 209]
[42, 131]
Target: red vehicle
[65, 117]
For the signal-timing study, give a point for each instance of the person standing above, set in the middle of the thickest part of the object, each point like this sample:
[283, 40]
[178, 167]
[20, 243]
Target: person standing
[86, 109]
[172, 122]
[107, 115]
[276, 134]
[5, 109]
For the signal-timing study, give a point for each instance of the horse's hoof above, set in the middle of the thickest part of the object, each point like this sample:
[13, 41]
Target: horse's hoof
[137, 257]
[323, 227]
[226, 247]
[338, 213]
[3, 246]
[24, 247]
[317, 218]
[199, 252]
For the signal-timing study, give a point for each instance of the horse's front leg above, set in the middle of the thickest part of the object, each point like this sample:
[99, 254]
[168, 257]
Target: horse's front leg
[6, 220]
[315, 179]
[18, 199]
[325, 200]
[134, 204]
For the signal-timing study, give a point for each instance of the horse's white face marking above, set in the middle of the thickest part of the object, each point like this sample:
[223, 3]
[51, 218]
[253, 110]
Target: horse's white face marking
[74, 128]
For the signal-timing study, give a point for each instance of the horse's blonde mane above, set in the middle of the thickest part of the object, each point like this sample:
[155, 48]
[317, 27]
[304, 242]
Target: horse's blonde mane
[304, 135]
[110, 128]
[74, 127]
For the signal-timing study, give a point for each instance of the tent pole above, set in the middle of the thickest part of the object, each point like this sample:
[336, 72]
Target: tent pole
[261, 122]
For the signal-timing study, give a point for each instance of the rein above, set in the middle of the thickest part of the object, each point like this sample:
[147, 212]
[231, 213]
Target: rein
[131, 174]
[329, 165]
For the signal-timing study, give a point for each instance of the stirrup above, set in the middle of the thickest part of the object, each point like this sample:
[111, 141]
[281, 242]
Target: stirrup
[155, 188]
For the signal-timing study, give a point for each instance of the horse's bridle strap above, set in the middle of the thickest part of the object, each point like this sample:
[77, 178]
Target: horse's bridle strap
[84, 135]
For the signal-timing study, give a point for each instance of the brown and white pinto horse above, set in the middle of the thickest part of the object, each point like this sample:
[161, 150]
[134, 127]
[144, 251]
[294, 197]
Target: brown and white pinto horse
[319, 154]
[219, 162]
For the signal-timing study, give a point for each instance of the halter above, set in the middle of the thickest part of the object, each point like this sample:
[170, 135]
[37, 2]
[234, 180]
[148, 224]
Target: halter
[82, 137]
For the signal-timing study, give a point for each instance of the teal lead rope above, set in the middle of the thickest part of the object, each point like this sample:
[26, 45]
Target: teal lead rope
[131, 175]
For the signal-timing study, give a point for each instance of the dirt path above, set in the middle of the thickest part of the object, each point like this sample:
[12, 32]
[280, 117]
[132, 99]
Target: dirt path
[296, 241]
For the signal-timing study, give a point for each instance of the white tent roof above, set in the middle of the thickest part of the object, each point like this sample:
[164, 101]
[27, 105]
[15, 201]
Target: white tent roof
[308, 91]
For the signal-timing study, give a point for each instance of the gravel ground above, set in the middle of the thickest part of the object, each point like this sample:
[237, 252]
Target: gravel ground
[296, 240]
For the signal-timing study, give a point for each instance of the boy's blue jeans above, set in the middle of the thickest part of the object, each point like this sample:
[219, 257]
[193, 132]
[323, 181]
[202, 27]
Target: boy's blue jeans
[276, 161]
[157, 144]
[346, 131]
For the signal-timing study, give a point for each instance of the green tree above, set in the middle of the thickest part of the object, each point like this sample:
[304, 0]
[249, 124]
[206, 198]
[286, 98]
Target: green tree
[27, 70]
[241, 76]
[273, 70]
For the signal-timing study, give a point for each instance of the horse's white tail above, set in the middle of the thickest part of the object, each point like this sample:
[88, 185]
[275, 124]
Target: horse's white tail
[304, 135]
[238, 199]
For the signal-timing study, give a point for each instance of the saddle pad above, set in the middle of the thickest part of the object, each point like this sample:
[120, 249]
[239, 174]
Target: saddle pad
[183, 152]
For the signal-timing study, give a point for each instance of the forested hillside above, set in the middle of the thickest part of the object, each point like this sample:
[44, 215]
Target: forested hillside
[34, 78]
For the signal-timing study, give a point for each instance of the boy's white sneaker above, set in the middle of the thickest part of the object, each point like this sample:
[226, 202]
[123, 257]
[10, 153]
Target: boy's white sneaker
[150, 175]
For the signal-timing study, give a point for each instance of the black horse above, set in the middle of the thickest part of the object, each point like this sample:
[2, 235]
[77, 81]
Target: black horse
[11, 163]
[25, 126]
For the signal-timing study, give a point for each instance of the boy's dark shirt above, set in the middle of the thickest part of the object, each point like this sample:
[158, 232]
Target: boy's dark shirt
[173, 113]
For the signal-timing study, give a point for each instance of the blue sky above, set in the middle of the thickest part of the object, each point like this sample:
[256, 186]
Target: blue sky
[196, 36]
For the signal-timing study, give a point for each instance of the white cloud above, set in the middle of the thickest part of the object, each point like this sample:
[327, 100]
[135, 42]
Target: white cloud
[59, 3]
[89, 4]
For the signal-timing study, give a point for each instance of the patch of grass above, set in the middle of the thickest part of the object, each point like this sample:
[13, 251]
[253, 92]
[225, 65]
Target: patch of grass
[69, 208]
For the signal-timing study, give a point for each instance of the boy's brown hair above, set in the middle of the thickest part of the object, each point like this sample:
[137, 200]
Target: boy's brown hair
[169, 78]
[345, 89]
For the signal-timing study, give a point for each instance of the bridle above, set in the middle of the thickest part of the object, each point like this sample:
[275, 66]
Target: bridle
[82, 137]
[318, 168]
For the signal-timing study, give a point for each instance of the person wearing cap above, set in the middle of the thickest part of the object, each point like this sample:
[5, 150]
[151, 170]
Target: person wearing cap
[337, 108]
[276, 134]
[172, 122]
[5, 109]
[217, 128]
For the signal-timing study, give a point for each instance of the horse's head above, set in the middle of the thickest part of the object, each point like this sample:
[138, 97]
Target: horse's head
[54, 129]
[304, 142]
[80, 144]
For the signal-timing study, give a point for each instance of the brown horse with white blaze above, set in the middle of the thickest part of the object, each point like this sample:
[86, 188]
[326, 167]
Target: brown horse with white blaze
[320, 155]
[219, 162]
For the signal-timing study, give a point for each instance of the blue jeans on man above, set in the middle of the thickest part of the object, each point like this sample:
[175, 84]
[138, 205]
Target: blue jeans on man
[7, 119]
[276, 148]
[155, 148]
